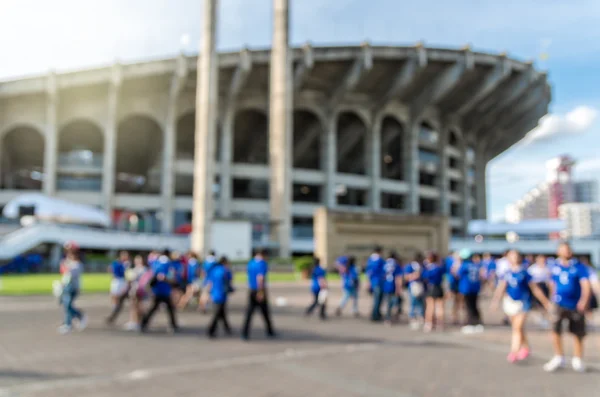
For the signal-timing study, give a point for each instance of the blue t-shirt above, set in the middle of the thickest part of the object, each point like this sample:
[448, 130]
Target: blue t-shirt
[392, 270]
[490, 268]
[350, 278]
[219, 281]
[192, 270]
[318, 273]
[411, 268]
[375, 270]
[178, 268]
[469, 278]
[517, 285]
[162, 266]
[256, 267]
[118, 269]
[434, 274]
[566, 279]
[448, 263]
[207, 266]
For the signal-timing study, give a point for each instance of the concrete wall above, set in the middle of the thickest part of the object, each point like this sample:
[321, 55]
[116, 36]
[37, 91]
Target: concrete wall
[345, 233]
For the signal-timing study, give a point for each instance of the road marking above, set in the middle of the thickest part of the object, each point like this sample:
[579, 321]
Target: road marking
[141, 374]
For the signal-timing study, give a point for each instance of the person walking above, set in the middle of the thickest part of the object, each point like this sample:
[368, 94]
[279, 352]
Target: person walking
[139, 277]
[570, 293]
[392, 285]
[258, 270]
[193, 284]
[72, 269]
[517, 287]
[433, 275]
[452, 264]
[119, 286]
[164, 277]
[413, 275]
[350, 284]
[376, 273]
[540, 275]
[218, 288]
[470, 274]
[319, 290]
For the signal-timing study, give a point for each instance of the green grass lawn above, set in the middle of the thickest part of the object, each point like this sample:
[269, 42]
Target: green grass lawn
[41, 284]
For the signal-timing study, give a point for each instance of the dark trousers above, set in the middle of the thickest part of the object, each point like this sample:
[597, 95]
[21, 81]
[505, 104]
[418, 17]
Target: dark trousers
[377, 300]
[473, 316]
[263, 305]
[158, 299]
[219, 315]
[117, 308]
[314, 305]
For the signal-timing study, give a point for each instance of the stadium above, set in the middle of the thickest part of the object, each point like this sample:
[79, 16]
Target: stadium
[386, 129]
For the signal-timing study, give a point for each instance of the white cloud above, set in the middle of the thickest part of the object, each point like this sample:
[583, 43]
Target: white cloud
[577, 121]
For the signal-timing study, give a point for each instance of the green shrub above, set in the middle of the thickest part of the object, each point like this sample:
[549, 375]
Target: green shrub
[303, 263]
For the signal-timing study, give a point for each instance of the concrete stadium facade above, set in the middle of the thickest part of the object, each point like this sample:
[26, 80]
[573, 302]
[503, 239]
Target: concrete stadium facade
[375, 128]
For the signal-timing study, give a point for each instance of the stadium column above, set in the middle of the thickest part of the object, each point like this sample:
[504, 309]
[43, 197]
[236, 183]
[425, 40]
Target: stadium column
[329, 150]
[480, 181]
[110, 140]
[443, 172]
[51, 134]
[280, 129]
[226, 162]
[466, 210]
[411, 167]
[205, 135]
[170, 139]
[375, 167]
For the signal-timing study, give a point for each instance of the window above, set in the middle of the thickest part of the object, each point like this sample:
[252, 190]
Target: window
[251, 189]
[302, 227]
[427, 134]
[454, 186]
[392, 201]
[453, 163]
[426, 179]
[428, 206]
[428, 157]
[455, 210]
[353, 197]
[456, 232]
[305, 193]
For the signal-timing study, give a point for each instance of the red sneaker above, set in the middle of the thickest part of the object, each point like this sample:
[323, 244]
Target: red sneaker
[511, 358]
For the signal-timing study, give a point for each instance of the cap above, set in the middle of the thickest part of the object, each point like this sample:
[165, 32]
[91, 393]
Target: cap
[342, 260]
[465, 253]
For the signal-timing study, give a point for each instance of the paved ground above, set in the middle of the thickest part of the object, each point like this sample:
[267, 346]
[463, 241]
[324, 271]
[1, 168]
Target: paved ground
[345, 356]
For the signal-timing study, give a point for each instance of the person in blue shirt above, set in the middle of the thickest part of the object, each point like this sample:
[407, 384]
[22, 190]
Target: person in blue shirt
[433, 275]
[376, 274]
[207, 265]
[350, 283]
[192, 280]
[470, 274]
[413, 275]
[218, 288]
[180, 283]
[164, 277]
[318, 288]
[452, 263]
[392, 285]
[570, 293]
[258, 270]
[119, 287]
[517, 287]
[489, 264]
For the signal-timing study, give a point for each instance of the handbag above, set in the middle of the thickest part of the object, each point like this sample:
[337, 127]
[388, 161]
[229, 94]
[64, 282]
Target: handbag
[322, 298]
[416, 289]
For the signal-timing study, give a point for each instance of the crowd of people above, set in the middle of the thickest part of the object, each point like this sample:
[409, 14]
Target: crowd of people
[171, 280]
[561, 289]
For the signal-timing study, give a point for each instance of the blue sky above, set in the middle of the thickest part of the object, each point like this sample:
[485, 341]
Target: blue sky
[37, 35]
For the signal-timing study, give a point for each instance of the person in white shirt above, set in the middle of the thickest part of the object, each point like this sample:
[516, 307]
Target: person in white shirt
[541, 274]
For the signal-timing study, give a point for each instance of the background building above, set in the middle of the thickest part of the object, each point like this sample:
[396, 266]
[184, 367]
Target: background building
[375, 129]
[582, 219]
[544, 201]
